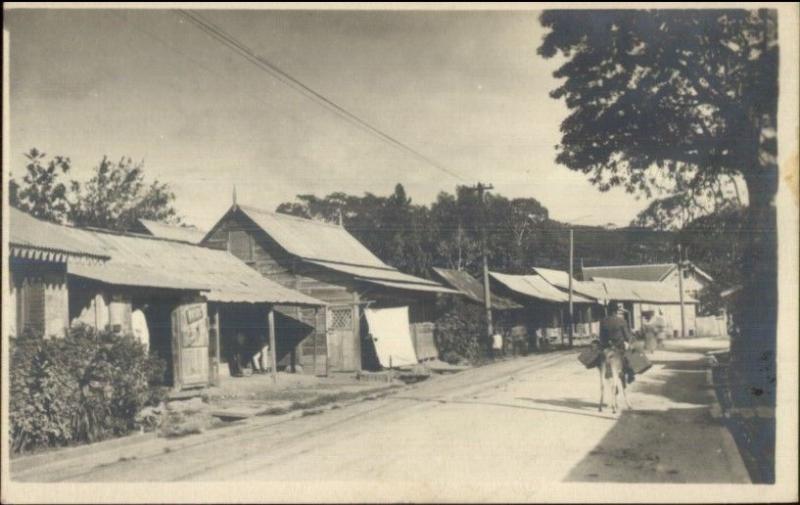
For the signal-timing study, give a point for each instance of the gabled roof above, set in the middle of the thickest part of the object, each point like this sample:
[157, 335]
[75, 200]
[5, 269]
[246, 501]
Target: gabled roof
[624, 290]
[560, 279]
[333, 247]
[472, 288]
[534, 286]
[313, 240]
[173, 232]
[654, 272]
[34, 238]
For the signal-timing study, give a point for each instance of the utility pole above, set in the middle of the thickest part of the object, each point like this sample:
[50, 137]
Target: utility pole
[571, 313]
[487, 296]
[680, 292]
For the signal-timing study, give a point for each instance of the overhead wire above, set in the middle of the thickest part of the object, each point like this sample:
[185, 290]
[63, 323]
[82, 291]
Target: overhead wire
[219, 34]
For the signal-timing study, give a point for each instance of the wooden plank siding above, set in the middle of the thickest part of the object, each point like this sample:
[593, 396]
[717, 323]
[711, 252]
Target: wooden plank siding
[269, 259]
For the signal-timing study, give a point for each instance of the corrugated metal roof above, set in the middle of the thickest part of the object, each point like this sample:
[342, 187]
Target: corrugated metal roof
[167, 264]
[182, 233]
[655, 272]
[560, 279]
[27, 233]
[331, 246]
[313, 239]
[472, 288]
[643, 291]
[385, 273]
[411, 287]
[535, 286]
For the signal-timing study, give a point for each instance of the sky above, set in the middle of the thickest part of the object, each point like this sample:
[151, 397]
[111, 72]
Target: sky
[466, 89]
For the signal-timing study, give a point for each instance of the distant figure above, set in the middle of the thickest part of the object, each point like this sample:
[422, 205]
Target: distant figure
[236, 354]
[659, 326]
[497, 345]
[139, 327]
[259, 353]
[649, 331]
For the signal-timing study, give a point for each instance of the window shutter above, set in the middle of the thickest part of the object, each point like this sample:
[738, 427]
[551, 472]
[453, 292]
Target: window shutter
[33, 316]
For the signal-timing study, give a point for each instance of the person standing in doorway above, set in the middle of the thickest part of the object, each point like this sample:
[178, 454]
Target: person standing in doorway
[236, 354]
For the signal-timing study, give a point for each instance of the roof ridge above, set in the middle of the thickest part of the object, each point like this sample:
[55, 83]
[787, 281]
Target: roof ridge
[178, 226]
[385, 267]
[634, 265]
[616, 279]
[131, 234]
[289, 216]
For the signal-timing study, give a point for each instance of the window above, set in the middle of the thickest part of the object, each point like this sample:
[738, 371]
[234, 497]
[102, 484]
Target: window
[240, 245]
[342, 319]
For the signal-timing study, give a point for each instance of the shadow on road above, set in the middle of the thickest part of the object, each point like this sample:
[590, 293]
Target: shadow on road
[670, 437]
[567, 403]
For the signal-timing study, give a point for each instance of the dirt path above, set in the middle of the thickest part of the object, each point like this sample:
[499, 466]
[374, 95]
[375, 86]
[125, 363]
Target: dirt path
[523, 422]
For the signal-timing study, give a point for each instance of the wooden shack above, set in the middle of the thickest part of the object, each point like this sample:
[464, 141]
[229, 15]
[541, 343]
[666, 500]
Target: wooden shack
[547, 306]
[323, 260]
[38, 254]
[509, 318]
[195, 299]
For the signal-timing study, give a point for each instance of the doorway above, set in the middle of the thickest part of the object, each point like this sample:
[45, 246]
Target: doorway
[344, 349]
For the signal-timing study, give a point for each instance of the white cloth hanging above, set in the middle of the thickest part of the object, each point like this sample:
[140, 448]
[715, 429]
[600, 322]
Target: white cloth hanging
[392, 337]
[139, 328]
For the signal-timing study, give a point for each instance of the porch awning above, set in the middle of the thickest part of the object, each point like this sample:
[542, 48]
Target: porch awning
[534, 286]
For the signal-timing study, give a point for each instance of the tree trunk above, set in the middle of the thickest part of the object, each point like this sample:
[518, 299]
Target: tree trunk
[753, 350]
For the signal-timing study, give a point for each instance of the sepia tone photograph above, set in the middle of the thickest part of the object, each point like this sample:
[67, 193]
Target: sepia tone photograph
[424, 253]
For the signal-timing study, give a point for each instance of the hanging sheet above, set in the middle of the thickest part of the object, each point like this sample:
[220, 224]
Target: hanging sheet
[392, 337]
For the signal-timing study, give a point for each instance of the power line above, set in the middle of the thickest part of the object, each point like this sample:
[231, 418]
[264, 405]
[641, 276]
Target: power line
[152, 36]
[284, 77]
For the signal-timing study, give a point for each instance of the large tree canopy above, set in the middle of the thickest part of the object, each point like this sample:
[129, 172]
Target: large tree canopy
[657, 96]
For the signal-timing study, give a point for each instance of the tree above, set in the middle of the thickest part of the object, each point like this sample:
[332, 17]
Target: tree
[665, 98]
[117, 195]
[41, 192]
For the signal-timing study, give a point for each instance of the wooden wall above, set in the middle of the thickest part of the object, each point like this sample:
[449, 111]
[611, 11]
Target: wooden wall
[309, 351]
[40, 295]
[237, 234]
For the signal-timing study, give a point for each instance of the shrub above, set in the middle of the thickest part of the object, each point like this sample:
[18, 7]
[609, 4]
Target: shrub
[460, 332]
[85, 387]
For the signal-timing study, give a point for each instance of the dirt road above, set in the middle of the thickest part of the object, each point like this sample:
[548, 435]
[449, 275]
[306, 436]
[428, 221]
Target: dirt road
[531, 420]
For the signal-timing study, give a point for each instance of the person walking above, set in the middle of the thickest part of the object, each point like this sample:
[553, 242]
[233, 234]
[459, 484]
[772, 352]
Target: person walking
[659, 325]
[649, 331]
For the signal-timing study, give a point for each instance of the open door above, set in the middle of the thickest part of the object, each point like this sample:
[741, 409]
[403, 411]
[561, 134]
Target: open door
[190, 345]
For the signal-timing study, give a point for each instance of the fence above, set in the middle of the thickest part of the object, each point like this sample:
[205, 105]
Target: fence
[711, 326]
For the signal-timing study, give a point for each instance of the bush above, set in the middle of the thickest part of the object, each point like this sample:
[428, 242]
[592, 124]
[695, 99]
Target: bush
[82, 388]
[460, 333]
